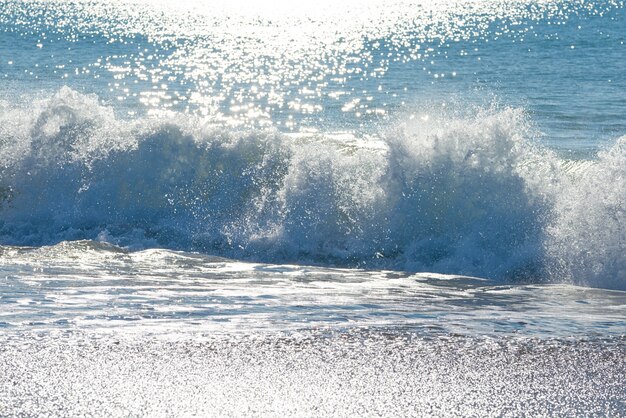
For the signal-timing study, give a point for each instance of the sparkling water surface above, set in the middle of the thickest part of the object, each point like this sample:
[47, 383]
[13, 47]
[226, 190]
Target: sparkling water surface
[405, 208]
[96, 287]
[328, 66]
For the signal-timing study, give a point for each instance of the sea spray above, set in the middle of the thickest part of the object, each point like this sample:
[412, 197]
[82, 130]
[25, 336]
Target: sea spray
[471, 195]
[587, 240]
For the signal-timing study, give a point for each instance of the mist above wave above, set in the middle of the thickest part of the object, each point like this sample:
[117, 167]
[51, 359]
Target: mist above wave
[471, 195]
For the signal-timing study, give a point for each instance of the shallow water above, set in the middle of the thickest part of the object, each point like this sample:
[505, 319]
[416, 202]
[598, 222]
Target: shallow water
[354, 373]
[88, 327]
[104, 289]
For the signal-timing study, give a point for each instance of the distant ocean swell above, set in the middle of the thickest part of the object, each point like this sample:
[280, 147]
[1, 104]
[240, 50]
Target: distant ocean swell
[471, 195]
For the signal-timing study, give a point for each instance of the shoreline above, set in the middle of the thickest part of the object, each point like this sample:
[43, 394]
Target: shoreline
[374, 372]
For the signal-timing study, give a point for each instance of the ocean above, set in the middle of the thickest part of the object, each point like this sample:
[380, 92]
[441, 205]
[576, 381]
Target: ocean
[261, 208]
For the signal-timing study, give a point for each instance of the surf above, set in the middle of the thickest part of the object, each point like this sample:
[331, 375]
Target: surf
[473, 194]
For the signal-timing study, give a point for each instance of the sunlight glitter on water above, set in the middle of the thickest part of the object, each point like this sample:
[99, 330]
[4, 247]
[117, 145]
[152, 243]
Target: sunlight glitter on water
[88, 286]
[264, 63]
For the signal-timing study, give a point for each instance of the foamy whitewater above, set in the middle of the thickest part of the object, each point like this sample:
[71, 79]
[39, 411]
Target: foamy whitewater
[406, 208]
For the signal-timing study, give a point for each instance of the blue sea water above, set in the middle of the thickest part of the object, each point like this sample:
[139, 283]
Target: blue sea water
[326, 175]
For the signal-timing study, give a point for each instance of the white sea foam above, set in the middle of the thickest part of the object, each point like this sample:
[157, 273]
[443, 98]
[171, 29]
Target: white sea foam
[465, 195]
[587, 239]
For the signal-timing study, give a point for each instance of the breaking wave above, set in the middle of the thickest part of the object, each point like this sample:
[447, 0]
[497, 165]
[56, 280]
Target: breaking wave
[472, 195]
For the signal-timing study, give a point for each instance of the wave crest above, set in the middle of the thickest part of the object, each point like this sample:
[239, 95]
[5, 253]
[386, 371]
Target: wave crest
[463, 195]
